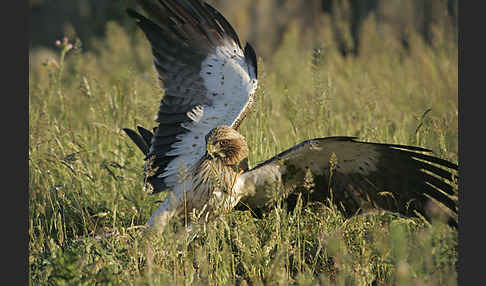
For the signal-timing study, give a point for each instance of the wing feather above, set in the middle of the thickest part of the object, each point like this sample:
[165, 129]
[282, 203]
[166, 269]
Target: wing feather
[208, 80]
[146, 134]
[140, 141]
[356, 175]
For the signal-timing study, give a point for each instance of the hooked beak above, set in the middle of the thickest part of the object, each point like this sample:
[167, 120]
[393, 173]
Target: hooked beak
[213, 150]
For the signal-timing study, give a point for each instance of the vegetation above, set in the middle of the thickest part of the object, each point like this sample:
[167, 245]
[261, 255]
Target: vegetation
[87, 207]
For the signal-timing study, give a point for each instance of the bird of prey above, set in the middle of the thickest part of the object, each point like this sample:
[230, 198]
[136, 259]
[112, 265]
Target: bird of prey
[197, 155]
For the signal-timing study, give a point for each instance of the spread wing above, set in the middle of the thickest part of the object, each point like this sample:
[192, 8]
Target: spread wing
[208, 79]
[356, 176]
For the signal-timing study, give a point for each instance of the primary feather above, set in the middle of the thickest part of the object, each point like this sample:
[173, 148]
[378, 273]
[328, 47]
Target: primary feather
[208, 81]
[356, 176]
[196, 152]
[207, 78]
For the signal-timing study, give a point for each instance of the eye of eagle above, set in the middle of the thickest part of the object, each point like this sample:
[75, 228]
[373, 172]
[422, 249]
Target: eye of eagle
[223, 142]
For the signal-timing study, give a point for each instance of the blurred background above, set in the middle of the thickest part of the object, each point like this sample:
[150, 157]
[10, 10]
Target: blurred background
[380, 70]
[261, 22]
[369, 68]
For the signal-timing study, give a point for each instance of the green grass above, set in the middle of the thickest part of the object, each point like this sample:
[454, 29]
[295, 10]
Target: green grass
[87, 205]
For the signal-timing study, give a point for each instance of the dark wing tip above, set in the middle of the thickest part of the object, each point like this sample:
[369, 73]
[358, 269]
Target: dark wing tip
[146, 134]
[157, 185]
[132, 13]
[138, 140]
[436, 160]
[224, 23]
[251, 58]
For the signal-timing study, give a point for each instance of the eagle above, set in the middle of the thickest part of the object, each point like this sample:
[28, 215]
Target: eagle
[196, 153]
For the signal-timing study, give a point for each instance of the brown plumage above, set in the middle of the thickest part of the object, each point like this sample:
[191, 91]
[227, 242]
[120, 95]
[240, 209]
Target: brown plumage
[356, 176]
[226, 144]
[196, 153]
[215, 174]
[199, 60]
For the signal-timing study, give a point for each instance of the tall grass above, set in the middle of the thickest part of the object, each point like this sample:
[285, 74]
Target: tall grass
[87, 206]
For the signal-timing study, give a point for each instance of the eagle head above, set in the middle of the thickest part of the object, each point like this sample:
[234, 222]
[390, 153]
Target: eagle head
[226, 144]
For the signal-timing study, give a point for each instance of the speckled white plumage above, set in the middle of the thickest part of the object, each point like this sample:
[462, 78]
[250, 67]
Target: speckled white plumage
[230, 83]
[209, 81]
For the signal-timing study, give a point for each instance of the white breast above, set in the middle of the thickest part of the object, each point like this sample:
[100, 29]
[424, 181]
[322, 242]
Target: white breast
[229, 86]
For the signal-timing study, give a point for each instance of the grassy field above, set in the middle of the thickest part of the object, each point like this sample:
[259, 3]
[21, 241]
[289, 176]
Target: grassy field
[87, 207]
